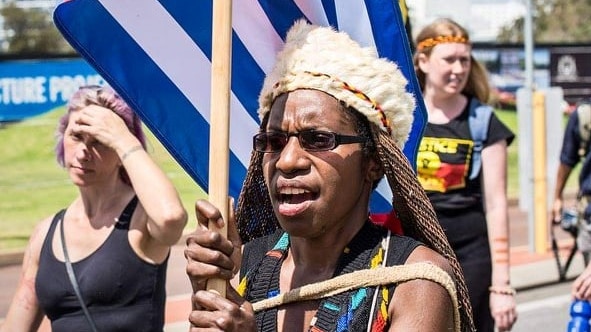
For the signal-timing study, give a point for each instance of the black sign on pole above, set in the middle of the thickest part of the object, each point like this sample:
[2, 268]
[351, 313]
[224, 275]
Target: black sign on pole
[570, 69]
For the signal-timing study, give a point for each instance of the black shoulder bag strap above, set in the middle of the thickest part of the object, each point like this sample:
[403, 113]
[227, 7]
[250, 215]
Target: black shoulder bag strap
[72, 277]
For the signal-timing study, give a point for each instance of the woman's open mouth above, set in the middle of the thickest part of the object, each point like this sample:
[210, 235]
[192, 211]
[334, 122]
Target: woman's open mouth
[292, 201]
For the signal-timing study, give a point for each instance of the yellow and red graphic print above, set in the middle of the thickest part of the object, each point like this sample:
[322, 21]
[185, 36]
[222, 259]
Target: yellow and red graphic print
[443, 163]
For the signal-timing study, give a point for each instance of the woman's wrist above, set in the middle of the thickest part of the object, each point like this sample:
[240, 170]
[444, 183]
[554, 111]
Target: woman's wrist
[131, 150]
[503, 290]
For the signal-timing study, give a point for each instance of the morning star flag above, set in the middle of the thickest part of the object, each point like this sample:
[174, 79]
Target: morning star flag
[157, 55]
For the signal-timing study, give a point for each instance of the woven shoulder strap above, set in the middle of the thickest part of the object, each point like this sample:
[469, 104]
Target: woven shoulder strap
[368, 278]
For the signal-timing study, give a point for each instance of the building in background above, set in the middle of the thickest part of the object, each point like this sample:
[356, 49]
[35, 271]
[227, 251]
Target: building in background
[482, 18]
[571, 70]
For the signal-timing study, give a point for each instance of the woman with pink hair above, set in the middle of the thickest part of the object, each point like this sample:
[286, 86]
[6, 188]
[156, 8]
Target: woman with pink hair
[100, 263]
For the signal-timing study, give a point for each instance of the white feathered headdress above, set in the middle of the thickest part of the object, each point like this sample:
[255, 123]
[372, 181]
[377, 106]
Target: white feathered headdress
[323, 59]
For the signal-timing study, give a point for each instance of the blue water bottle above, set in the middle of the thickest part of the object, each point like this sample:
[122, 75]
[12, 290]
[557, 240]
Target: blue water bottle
[580, 313]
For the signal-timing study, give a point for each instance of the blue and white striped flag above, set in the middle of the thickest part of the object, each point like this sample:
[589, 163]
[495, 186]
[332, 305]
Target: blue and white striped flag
[157, 55]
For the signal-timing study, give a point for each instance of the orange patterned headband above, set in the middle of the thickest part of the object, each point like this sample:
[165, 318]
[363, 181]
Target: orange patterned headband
[430, 42]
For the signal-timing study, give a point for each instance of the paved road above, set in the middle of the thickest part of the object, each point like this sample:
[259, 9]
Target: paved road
[543, 309]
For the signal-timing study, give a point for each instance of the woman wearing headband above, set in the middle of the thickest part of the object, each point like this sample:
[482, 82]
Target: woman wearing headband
[462, 165]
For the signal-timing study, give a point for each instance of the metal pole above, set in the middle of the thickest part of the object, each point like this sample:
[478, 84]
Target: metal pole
[528, 40]
[528, 88]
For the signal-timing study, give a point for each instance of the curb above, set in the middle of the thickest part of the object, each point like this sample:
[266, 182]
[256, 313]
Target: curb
[531, 270]
[11, 258]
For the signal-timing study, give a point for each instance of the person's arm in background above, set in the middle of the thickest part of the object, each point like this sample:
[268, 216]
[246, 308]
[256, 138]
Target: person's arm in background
[159, 198]
[166, 215]
[494, 172]
[24, 313]
[561, 177]
[581, 288]
[569, 157]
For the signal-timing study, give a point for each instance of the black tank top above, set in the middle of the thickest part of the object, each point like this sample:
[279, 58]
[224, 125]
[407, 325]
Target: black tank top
[122, 291]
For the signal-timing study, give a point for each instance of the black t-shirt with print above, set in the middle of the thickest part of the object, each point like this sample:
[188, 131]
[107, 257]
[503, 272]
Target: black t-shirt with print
[444, 161]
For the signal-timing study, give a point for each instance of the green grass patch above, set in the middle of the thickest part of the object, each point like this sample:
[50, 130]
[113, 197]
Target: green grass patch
[509, 118]
[33, 186]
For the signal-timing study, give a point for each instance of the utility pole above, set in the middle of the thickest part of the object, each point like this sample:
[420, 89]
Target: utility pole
[528, 41]
[525, 113]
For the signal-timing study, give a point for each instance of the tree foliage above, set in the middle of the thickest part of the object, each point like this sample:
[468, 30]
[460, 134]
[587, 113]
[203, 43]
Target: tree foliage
[31, 31]
[554, 21]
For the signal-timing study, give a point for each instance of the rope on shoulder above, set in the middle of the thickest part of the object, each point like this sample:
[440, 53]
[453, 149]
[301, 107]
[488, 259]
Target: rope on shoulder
[367, 278]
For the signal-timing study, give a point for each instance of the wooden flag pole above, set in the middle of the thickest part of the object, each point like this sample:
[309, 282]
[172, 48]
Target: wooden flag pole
[221, 69]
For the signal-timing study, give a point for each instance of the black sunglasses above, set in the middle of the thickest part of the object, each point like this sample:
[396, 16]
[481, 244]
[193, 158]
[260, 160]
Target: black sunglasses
[310, 140]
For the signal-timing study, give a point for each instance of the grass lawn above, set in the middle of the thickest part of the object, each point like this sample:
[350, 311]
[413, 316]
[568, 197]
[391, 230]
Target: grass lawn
[33, 186]
[509, 118]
